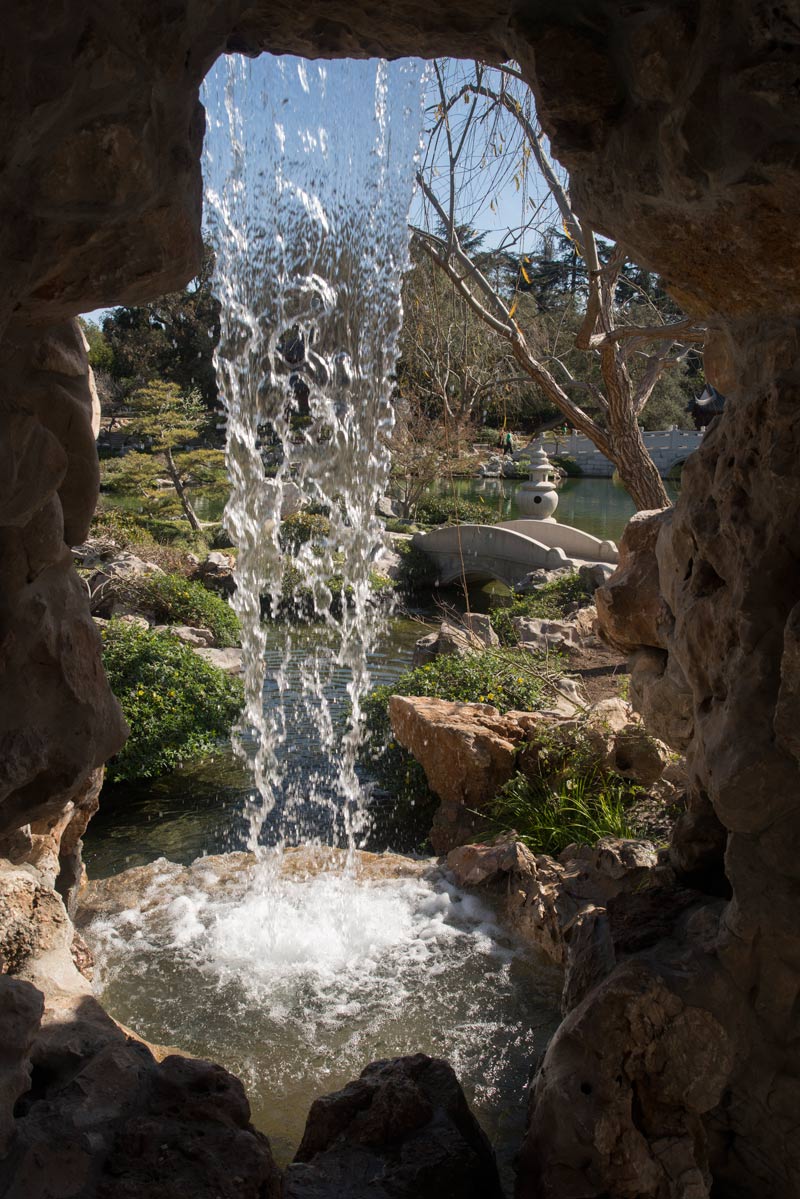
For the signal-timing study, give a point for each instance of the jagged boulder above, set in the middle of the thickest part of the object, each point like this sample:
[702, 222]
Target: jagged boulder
[542, 894]
[632, 1045]
[467, 752]
[216, 572]
[542, 635]
[402, 1130]
[660, 693]
[188, 634]
[472, 632]
[631, 608]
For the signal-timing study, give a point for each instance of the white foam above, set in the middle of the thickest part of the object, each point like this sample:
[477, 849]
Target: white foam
[296, 983]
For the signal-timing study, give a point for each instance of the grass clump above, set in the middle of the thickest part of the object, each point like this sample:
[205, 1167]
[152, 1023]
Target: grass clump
[174, 599]
[563, 794]
[177, 705]
[548, 814]
[551, 601]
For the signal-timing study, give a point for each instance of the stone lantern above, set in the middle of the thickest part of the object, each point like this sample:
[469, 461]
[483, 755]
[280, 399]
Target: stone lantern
[538, 498]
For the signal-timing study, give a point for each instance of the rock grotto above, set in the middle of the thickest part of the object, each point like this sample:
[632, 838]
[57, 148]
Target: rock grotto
[678, 1075]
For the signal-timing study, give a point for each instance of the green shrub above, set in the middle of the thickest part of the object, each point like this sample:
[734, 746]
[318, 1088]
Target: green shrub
[568, 465]
[417, 570]
[505, 678]
[551, 601]
[178, 706]
[397, 524]
[301, 527]
[550, 812]
[119, 525]
[137, 532]
[175, 600]
[452, 510]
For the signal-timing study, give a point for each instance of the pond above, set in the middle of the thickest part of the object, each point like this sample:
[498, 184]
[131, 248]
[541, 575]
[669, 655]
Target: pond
[295, 986]
[597, 506]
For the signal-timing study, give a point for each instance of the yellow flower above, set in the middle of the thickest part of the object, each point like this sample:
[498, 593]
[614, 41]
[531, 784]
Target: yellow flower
[480, 699]
[490, 695]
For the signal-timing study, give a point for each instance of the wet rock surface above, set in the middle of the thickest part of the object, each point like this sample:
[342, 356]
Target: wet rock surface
[563, 906]
[87, 1107]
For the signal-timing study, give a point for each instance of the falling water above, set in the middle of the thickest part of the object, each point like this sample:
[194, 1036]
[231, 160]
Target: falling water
[309, 171]
[292, 973]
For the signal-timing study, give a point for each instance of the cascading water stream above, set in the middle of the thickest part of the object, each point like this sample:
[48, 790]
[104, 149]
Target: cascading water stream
[290, 971]
[309, 172]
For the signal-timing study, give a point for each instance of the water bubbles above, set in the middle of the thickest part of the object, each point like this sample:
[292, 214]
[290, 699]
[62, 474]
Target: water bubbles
[295, 973]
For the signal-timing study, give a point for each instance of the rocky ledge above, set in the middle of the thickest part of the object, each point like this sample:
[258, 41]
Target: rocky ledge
[469, 750]
[587, 909]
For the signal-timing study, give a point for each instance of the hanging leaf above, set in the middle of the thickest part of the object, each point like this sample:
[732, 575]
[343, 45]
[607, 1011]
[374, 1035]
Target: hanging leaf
[525, 275]
[513, 307]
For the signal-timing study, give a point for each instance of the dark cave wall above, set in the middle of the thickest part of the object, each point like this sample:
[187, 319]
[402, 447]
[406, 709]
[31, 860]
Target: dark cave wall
[679, 123]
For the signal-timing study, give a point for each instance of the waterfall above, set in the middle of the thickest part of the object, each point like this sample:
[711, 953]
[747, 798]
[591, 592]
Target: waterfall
[309, 170]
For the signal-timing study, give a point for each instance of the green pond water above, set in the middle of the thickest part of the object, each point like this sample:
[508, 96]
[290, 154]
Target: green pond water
[597, 506]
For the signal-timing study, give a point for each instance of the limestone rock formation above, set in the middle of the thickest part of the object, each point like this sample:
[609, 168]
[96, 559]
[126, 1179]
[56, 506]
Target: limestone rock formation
[58, 719]
[631, 609]
[559, 905]
[473, 632]
[678, 124]
[631, 1046]
[659, 692]
[402, 1130]
[467, 753]
[542, 635]
[216, 572]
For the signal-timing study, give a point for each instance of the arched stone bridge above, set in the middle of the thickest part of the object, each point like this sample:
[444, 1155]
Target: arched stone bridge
[508, 552]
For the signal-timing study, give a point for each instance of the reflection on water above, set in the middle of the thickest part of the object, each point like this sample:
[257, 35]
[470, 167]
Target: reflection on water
[597, 506]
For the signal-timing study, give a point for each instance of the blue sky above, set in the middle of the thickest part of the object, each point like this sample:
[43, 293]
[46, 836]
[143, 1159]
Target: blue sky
[511, 205]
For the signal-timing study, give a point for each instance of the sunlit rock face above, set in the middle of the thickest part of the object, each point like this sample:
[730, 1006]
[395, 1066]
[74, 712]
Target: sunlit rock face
[679, 124]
